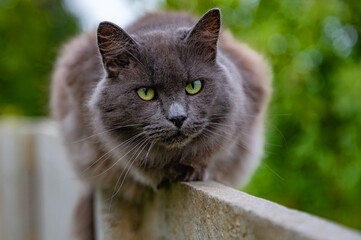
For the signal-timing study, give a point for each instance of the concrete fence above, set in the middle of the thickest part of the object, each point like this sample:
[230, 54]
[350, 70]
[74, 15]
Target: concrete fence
[38, 191]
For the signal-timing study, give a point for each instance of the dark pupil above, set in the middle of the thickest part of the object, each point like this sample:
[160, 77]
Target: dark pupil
[145, 91]
[192, 84]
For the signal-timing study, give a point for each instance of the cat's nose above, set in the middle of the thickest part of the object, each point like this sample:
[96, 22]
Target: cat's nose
[178, 121]
[177, 114]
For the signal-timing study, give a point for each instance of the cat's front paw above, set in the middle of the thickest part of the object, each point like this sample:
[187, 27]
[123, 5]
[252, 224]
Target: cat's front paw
[195, 175]
[188, 173]
[184, 173]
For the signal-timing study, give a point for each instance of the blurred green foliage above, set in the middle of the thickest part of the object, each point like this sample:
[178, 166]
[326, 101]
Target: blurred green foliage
[30, 34]
[313, 146]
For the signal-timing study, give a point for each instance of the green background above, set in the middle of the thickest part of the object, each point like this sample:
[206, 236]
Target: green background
[313, 145]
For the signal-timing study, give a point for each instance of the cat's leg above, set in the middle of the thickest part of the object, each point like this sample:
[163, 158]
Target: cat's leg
[83, 218]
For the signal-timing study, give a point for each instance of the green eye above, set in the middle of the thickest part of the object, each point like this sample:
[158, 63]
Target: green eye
[146, 93]
[194, 87]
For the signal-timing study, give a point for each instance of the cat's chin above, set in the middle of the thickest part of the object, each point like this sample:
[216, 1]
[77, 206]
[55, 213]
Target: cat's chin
[178, 140]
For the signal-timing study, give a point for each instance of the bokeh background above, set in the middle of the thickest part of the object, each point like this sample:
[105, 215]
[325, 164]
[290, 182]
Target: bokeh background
[313, 146]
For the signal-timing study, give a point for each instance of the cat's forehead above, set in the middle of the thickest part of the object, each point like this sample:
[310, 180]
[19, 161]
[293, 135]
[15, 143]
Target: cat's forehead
[161, 53]
[160, 42]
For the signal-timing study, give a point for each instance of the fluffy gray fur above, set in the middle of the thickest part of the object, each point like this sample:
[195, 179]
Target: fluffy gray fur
[115, 137]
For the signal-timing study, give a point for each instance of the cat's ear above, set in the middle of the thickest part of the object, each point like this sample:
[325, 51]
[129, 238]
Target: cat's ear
[116, 47]
[204, 35]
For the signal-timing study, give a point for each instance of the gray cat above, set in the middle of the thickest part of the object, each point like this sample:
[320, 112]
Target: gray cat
[167, 99]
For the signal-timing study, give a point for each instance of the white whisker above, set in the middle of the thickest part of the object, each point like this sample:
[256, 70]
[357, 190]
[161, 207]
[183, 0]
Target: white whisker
[109, 130]
[108, 153]
[126, 173]
[115, 163]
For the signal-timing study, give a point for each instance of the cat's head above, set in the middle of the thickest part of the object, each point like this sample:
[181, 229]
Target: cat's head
[162, 86]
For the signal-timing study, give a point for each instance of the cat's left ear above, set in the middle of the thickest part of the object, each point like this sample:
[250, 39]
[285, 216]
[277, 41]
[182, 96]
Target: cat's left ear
[116, 47]
[204, 35]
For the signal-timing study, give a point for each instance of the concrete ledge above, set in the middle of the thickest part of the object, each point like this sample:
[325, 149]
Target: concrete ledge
[208, 210]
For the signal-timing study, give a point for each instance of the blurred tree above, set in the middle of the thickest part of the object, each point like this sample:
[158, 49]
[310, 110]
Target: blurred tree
[30, 34]
[313, 147]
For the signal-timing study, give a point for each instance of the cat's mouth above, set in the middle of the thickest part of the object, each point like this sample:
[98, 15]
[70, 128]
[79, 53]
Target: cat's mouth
[178, 137]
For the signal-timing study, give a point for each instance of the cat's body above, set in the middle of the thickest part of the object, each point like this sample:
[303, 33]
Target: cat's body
[215, 134]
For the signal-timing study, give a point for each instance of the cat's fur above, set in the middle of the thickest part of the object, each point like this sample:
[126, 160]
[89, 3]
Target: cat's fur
[95, 100]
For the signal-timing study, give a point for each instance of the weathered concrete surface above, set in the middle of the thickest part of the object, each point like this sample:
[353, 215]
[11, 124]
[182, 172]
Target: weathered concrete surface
[208, 210]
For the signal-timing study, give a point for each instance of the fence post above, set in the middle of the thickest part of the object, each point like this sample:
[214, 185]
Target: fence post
[38, 188]
[57, 185]
[17, 182]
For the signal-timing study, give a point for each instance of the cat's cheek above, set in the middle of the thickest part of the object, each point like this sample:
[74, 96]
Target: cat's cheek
[200, 107]
[93, 103]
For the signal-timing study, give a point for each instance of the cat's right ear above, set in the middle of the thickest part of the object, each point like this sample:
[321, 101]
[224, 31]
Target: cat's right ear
[204, 35]
[116, 47]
